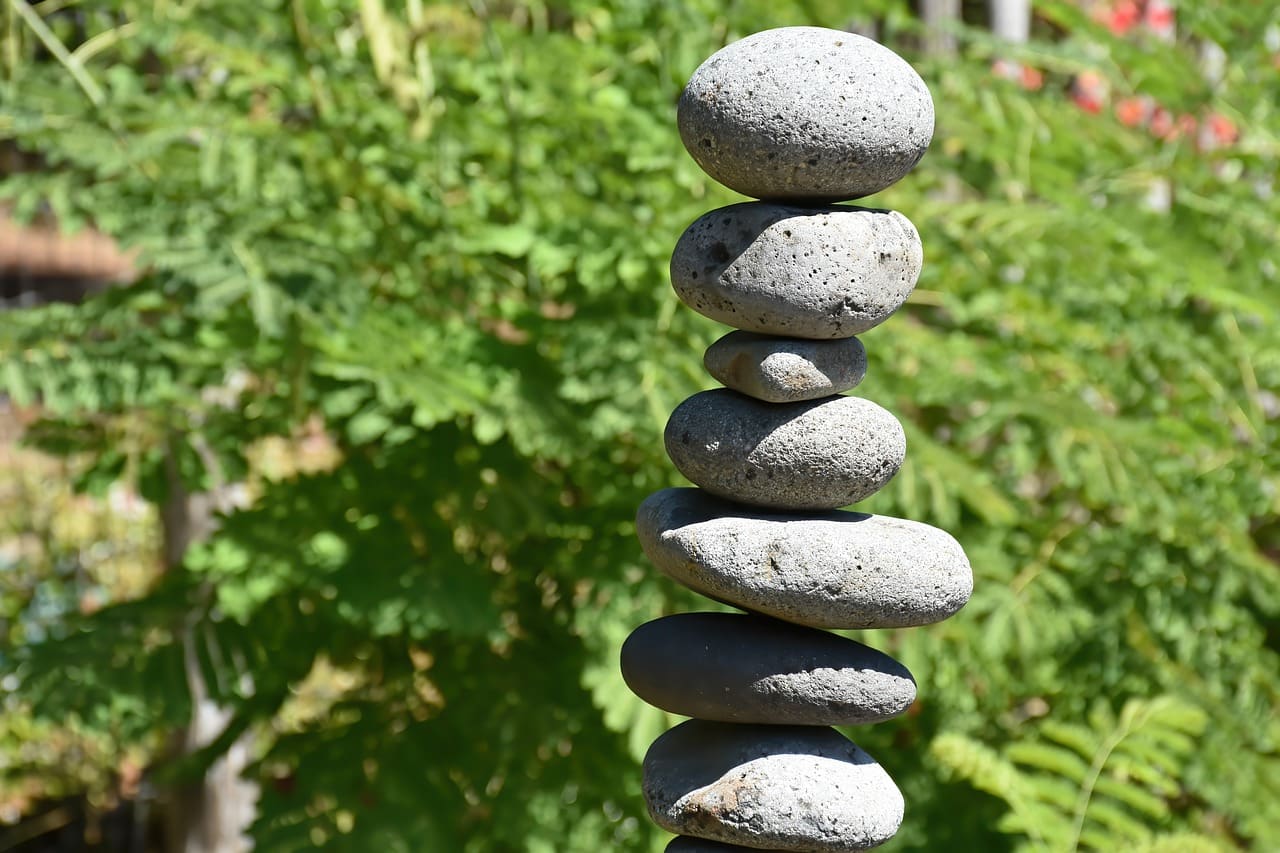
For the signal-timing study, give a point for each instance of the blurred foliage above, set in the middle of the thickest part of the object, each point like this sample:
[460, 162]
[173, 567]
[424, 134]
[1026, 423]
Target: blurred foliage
[440, 232]
[61, 553]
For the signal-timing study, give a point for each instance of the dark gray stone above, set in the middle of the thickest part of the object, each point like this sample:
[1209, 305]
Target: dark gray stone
[798, 788]
[821, 273]
[828, 570]
[786, 370]
[806, 113]
[817, 454]
[739, 668]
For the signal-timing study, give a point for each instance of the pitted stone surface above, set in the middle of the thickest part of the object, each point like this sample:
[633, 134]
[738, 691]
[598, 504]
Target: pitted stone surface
[806, 113]
[799, 788]
[827, 570]
[689, 844]
[739, 668]
[786, 370]
[822, 273]
[818, 454]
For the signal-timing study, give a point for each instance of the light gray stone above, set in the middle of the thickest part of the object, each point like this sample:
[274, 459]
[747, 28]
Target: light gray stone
[743, 668]
[795, 788]
[689, 844]
[825, 272]
[786, 370]
[829, 570]
[806, 113]
[817, 454]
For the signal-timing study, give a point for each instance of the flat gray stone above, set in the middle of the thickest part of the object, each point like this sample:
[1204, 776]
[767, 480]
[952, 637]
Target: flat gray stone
[817, 454]
[798, 788]
[829, 570]
[806, 113]
[689, 844]
[821, 273]
[738, 668]
[786, 370]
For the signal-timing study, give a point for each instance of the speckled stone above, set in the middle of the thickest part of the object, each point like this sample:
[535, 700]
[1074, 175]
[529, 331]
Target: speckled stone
[806, 113]
[817, 454]
[797, 788]
[826, 570]
[825, 272]
[786, 370]
[689, 844]
[740, 668]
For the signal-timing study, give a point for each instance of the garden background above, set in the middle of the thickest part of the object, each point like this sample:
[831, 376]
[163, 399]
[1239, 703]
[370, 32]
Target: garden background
[333, 482]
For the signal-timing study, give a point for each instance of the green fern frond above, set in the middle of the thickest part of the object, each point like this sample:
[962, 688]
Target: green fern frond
[1101, 787]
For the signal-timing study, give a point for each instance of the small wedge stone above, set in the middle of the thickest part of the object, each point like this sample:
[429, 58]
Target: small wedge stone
[806, 113]
[818, 454]
[829, 570]
[820, 273]
[795, 788]
[739, 668]
[786, 370]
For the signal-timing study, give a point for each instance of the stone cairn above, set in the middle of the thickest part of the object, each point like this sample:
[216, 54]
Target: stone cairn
[801, 117]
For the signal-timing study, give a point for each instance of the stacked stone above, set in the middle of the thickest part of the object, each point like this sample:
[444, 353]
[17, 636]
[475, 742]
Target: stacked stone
[800, 117]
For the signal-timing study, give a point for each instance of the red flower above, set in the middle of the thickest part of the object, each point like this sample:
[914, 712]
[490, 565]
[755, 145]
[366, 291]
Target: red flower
[1124, 16]
[1132, 112]
[1222, 129]
[1162, 123]
[1089, 91]
[1160, 17]
[1031, 79]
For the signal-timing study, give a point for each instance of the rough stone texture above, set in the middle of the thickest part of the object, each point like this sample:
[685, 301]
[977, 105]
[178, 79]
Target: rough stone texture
[806, 113]
[818, 454]
[822, 273]
[689, 844]
[774, 787]
[829, 570]
[786, 370]
[739, 668]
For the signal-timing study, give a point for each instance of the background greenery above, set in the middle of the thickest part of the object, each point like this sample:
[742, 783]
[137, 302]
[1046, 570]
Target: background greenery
[433, 238]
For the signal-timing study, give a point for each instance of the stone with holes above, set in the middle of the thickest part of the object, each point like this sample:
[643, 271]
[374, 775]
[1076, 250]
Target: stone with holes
[818, 454]
[806, 113]
[825, 272]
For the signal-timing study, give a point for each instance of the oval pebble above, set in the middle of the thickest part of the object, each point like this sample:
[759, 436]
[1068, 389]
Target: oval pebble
[830, 570]
[806, 113]
[785, 370]
[817, 454]
[739, 668]
[822, 273]
[799, 788]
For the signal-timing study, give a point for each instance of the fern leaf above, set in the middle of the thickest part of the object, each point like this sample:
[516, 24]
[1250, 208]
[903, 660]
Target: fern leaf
[1055, 759]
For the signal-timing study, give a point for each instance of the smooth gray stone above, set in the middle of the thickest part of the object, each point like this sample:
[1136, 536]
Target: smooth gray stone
[829, 570]
[786, 370]
[817, 454]
[798, 788]
[821, 273]
[689, 844]
[806, 113]
[739, 668]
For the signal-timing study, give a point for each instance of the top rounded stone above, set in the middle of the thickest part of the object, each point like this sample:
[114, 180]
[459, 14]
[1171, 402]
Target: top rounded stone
[806, 114]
